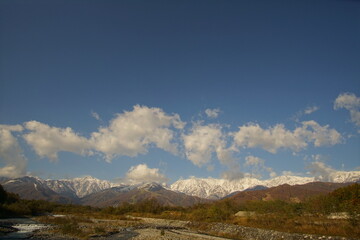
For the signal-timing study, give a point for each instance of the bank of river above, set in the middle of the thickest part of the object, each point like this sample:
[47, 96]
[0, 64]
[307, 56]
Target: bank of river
[152, 229]
[18, 228]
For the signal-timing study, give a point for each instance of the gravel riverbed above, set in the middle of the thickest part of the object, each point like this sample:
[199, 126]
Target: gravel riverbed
[162, 229]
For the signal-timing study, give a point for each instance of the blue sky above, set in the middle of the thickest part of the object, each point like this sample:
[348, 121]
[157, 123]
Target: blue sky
[261, 64]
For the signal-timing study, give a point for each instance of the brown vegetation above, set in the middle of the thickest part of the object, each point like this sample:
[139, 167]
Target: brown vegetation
[309, 216]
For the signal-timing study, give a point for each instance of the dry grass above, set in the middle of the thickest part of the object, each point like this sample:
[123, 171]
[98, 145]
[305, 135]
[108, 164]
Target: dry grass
[83, 227]
[301, 224]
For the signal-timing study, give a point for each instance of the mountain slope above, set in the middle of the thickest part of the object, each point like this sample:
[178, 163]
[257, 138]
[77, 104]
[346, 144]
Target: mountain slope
[34, 188]
[78, 187]
[117, 195]
[286, 192]
[63, 191]
[212, 188]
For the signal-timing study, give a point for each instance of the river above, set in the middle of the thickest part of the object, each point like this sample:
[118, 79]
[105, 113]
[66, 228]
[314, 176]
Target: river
[24, 226]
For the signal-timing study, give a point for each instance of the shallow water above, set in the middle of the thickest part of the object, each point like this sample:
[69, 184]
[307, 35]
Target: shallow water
[25, 228]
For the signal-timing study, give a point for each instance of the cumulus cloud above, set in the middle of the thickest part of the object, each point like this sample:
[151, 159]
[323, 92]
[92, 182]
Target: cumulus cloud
[142, 173]
[350, 102]
[274, 138]
[252, 135]
[47, 141]
[320, 135]
[205, 140]
[11, 156]
[132, 133]
[212, 113]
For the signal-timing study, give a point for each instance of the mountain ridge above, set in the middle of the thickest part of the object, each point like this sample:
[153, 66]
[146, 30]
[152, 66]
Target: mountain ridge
[212, 188]
[286, 192]
[73, 190]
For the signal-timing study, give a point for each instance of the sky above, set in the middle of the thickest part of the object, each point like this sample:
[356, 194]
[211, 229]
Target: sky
[156, 90]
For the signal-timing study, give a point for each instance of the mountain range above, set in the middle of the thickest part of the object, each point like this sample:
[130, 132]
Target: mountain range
[212, 188]
[92, 191]
[95, 192]
[133, 194]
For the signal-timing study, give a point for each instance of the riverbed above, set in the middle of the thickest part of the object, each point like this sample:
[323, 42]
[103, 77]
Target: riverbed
[19, 228]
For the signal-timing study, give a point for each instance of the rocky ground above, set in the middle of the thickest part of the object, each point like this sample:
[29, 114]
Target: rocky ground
[163, 229]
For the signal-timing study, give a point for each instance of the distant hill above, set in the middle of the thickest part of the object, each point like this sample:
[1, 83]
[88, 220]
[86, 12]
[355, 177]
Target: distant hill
[33, 188]
[117, 195]
[286, 192]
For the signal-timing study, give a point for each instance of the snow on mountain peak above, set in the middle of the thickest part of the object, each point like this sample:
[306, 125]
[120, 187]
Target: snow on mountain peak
[212, 188]
[79, 187]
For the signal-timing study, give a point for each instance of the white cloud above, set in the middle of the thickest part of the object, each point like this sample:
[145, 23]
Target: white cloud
[307, 111]
[258, 166]
[12, 128]
[212, 113]
[47, 141]
[252, 135]
[274, 138]
[10, 153]
[132, 133]
[142, 173]
[320, 135]
[321, 171]
[350, 102]
[95, 115]
[310, 110]
[205, 140]
[129, 134]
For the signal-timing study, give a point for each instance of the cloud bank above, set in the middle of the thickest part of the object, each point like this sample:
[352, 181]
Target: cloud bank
[134, 132]
[128, 134]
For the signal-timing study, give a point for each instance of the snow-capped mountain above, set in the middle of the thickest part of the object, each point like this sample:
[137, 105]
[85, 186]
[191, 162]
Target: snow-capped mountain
[140, 192]
[342, 176]
[35, 188]
[79, 187]
[71, 188]
[212, 188]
